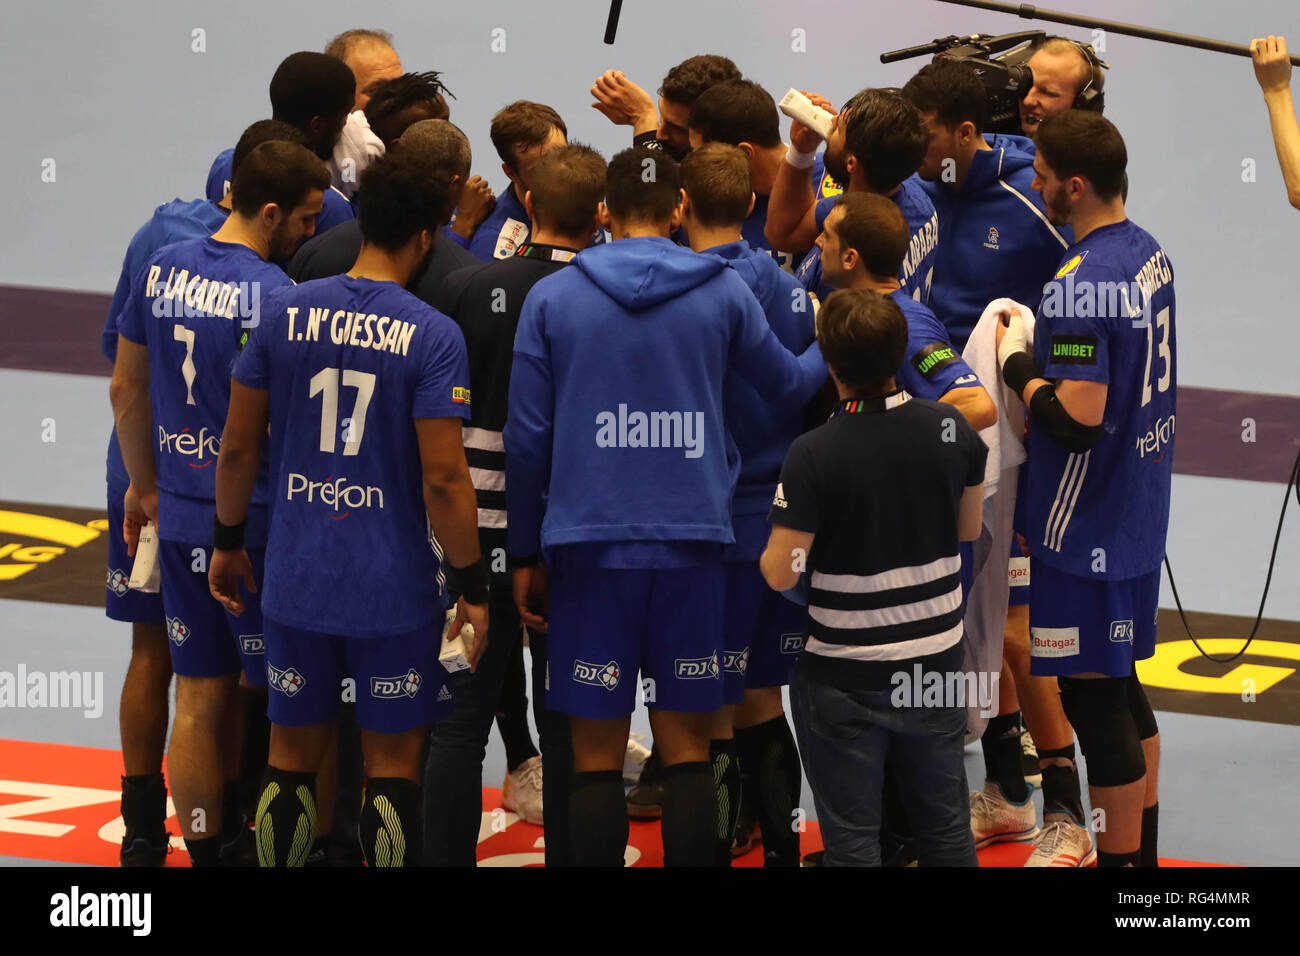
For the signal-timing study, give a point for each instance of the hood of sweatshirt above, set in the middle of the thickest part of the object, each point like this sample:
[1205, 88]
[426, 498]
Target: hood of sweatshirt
[645, 271]
[756, 266]
[1007, 155]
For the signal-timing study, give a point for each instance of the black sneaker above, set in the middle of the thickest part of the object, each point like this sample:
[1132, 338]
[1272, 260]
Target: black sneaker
[241, 849]
[813, 859]
[144, 810]
[645, 799]
[1029, 761]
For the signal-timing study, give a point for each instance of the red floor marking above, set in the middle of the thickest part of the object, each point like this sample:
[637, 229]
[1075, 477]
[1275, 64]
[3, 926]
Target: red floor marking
[81, 790]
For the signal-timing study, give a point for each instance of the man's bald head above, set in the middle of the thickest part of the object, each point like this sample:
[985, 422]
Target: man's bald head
[369, 54]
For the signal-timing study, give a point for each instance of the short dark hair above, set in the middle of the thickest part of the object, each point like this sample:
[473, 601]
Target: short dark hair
[263, 131]
[392, 97]
[642, 185]
[276, 172]
[718, 181]
[735, 112]
[438, 143]
[887, 135]
[343, 44]
[397, 198]
[310, 84]
[1084, 143]
[863, 337]
[951, 90]
[874, 227]
[523, 123]
[688, 79]
[568, 185]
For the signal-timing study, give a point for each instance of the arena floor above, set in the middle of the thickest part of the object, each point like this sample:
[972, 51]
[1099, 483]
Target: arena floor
[1230, 734]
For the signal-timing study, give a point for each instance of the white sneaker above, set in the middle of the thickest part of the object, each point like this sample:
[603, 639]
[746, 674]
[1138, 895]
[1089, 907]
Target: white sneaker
[995, 819]
[1063, 843]
[635, 759]
[522, 791]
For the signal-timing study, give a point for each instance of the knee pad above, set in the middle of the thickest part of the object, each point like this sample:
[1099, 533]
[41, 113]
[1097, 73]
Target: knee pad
[1098, 709]
[1141, 709]
[286, 817]
[391, 822]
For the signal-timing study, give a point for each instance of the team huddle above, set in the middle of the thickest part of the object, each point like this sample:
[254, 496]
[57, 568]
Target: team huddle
[718, 416]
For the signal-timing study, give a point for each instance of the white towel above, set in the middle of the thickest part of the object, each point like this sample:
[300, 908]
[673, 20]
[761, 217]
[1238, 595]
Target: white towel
[356, 149]
[986, 605]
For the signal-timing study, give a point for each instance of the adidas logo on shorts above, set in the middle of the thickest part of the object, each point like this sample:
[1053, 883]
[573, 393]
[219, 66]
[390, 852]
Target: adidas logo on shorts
[443, 693]
[287, 680]
[597, 675]
[388, 688]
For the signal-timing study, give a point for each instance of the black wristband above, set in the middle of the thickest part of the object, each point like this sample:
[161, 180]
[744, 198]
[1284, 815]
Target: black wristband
[228, 537]
[1018, 370]
[473, 582]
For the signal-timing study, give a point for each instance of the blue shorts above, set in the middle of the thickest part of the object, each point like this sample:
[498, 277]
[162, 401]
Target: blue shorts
[204, 638]
[764, 633]
[1079, 626]
[121, 603]
[1017, 574]
[397, 682]
[608, 624]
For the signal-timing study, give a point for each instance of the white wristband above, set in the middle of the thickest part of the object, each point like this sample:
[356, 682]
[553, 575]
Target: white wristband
[799, 160]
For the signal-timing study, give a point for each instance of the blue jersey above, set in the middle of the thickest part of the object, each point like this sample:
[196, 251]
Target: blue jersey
[752, 230]
[171, 222]
[350, 364]
[190, 306]
[917, 271]
[931, 366]
[824, 183]
[1108, 316]
[336, 208]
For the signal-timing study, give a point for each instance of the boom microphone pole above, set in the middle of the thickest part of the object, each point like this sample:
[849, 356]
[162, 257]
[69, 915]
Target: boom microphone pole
[1029, 12]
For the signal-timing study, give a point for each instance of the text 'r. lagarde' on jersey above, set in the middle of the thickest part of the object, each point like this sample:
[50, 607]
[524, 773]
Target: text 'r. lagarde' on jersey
[366, 331]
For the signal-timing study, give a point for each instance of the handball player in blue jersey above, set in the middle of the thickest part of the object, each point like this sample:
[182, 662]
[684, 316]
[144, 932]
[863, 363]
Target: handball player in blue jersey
[619, 472]
[145, 696]
[1100, 385]
[187, 315]
[876, 145]
[365, 389]
[755, 761]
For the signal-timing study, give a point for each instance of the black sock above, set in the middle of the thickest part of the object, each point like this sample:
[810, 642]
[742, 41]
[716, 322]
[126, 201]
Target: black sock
[144, 807]
[205, 852]
[232, 814]
[726, 786]
[769, 764]
[1150, 831]
[1061, 792]
[1002, 756]
[286, 817]
[596, 801]
[391, 819]
[557, 784]
[1118, 859]
[688, 817]
[253, 748]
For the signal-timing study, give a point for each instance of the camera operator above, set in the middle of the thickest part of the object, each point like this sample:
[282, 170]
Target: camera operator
[1064, 78]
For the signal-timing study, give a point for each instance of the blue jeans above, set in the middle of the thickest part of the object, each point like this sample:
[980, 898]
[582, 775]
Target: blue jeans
[845, 737]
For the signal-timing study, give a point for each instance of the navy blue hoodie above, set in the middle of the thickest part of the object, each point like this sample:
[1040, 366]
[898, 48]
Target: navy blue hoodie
[994, 237]
[616, 425]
